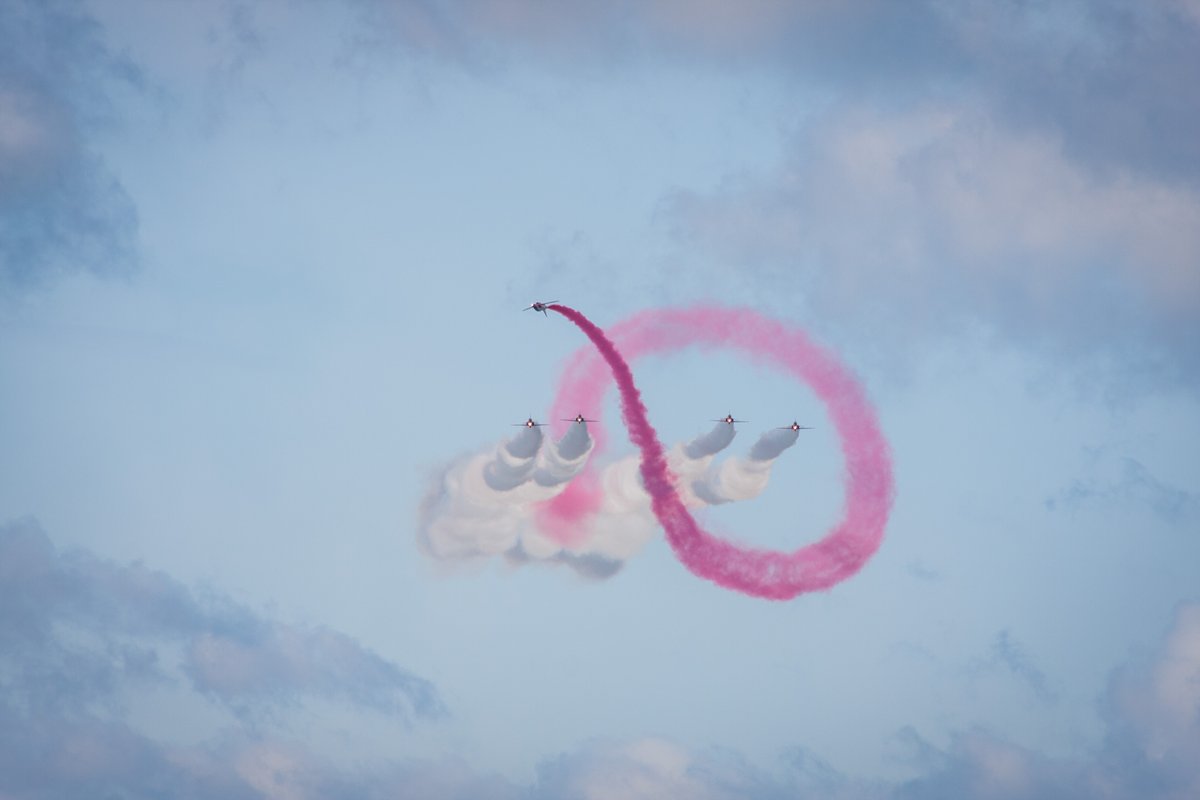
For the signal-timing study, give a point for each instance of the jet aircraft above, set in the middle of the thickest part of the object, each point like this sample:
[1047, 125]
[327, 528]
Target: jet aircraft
[540, 305]
[579, 419]
[529, 423]
[729, 420]
[795, 426]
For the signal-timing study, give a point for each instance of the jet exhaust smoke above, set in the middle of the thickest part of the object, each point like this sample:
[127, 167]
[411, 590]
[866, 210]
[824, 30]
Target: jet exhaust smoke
[759, 572]
[743, 478]
[480, 505]
[486, 504]
[621, 521]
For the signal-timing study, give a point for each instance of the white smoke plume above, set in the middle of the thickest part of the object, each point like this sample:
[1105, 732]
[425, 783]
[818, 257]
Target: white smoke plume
[625, 523]
[481, 505]
[484, 505]
[701, 482]
[744, 478]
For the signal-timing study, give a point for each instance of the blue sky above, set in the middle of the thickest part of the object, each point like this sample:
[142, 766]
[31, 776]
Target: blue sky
[261, 272]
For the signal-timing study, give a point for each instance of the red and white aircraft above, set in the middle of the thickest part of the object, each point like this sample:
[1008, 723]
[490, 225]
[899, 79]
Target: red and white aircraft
[729, 420]
[579, 419]
[529, 423]
[795, 426]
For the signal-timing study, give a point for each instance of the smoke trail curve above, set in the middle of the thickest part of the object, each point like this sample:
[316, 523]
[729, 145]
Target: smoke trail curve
[755, 571]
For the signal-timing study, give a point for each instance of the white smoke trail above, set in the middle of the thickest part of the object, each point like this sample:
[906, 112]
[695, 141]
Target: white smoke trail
[744, 478]
[481, 504]
[624, 522]
[700, 482]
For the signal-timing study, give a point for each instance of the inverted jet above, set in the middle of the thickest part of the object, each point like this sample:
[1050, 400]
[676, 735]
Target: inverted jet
[540, 305]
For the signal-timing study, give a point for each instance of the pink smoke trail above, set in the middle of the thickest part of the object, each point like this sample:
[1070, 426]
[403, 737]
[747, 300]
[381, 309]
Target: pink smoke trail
[763, 573]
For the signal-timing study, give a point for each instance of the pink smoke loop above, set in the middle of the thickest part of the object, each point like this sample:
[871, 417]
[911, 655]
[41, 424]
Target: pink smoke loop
[771, 574]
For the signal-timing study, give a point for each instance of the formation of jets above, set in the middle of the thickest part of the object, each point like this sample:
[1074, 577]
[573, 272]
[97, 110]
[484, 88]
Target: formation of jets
[728, 419]
[579, 419]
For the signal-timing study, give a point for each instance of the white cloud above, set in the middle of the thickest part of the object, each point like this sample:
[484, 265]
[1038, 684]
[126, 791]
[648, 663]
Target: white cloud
[61, 208]
[69, 747]
[1161, 706]
[1151, 752]
[76, 630]
[939, 217]
[645, 769]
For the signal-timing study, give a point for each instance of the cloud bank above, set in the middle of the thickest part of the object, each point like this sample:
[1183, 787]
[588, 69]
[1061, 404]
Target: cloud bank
[79, 634]
[1127, 482]
[1036, 176]
[1028, 169]
[76, 627]
[62, 209]
[927, 219]
[76, 631]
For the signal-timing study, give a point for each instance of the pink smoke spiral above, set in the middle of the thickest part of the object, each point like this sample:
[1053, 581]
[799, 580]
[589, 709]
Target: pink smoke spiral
[754, 571]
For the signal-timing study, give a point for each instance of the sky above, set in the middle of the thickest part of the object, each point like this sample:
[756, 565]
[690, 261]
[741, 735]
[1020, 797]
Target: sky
[262, 272]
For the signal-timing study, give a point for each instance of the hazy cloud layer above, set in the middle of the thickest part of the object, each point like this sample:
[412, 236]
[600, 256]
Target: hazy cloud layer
[1033, 168]
[77, 629]
[1151, 750]
[810, 35]
[1040, 177]
[1103, 76]
[79, 635]
[1133, 483]
[61, 207]
[1008, 655]
[86, 758]
[927, 220]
